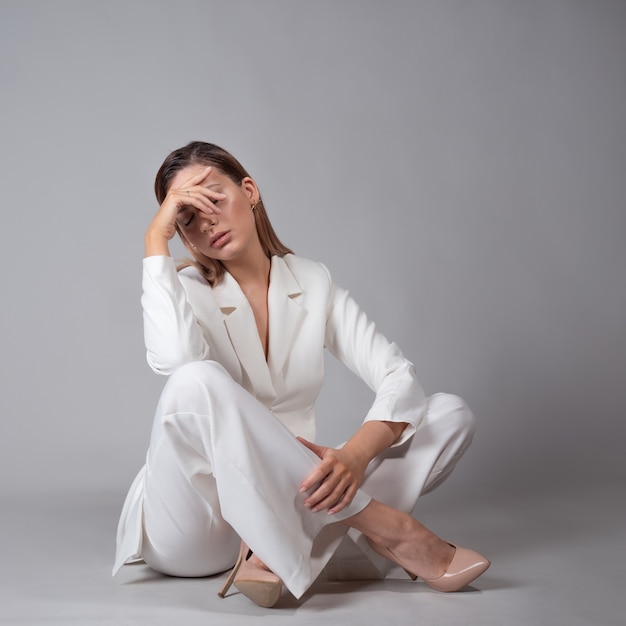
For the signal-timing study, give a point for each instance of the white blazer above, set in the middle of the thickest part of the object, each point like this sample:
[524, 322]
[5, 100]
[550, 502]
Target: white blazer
[186, 320]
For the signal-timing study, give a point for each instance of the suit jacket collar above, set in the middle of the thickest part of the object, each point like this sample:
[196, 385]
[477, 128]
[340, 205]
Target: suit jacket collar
[285, 313]
[285, 318]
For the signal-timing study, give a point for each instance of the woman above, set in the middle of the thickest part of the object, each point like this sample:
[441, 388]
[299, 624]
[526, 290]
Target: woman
[231, 464]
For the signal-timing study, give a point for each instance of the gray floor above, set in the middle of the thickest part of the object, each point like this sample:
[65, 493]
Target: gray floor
[558, 558]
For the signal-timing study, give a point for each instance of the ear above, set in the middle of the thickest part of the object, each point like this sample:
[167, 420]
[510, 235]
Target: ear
[250, 189]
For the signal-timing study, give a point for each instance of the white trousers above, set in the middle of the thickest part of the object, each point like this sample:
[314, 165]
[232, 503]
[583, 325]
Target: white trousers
[221, 467]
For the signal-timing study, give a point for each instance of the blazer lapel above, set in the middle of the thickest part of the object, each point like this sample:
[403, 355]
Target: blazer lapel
[285, 313]
[243, 335]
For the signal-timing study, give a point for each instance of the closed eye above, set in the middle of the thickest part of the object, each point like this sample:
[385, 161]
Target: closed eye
[185, 217]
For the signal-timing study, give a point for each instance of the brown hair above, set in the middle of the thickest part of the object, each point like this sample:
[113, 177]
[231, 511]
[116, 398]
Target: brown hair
[199, 152]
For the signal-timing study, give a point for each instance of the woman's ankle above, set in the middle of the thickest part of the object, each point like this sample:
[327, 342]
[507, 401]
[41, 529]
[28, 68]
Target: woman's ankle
[383, 524]
[403, 539]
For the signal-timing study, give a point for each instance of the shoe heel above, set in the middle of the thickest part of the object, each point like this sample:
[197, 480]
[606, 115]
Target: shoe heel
[231, 577]
[259, 585]
[412, 576]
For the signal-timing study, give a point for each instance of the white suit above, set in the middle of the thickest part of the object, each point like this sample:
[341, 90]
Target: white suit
[218, 460]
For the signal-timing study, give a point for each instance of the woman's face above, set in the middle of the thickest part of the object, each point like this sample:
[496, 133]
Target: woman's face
[229, 235]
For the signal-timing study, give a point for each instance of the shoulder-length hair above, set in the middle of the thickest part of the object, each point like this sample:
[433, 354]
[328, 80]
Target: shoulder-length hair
[202, 153]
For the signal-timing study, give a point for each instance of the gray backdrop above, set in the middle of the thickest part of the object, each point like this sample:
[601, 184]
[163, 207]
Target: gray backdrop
[459, 165]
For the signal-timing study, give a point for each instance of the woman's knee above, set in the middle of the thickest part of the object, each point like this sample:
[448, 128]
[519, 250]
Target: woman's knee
[454, 411]
[188, 386]
[197, 372]
[192, 559]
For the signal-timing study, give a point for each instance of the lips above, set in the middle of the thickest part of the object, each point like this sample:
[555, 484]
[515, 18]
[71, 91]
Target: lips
[219, 239]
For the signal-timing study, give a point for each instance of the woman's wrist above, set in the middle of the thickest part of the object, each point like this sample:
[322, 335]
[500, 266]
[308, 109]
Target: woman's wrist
[372, 438]
[156, 244]
[359, 454]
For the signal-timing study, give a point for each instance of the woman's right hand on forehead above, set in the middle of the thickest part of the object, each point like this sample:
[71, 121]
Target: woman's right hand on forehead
[192, 193]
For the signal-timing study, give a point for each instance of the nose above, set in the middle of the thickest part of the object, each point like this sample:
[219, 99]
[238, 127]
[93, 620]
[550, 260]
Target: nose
[207, 222]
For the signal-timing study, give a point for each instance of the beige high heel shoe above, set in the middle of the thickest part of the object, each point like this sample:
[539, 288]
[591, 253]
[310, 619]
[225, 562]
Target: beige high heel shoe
[466, 566]
[259, 585]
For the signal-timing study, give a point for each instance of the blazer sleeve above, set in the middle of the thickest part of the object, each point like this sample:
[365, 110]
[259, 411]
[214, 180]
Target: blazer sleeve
[172, 335]
[353, 339]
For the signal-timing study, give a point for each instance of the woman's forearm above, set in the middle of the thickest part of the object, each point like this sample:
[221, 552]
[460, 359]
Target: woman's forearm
[372, 438]
[156, 244]
[172, 334]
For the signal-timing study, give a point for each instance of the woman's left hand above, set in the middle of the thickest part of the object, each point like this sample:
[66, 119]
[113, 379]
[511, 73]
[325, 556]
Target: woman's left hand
[336, 479]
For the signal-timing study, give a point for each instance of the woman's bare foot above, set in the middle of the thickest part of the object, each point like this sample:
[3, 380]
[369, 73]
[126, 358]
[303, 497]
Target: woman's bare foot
[403, 540]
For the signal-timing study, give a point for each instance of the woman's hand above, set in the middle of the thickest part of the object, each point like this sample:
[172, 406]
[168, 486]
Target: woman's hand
[336, 479]
[190, 193]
